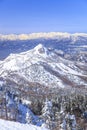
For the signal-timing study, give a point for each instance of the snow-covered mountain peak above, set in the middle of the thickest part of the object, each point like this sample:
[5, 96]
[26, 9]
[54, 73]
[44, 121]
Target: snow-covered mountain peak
[15, 62]
[39, 46]
[44, 67]
[40, 49]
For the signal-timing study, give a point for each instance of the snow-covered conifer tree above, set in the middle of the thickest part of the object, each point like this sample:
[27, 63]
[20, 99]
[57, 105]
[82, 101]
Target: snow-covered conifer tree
[28, 117]
[47, 112]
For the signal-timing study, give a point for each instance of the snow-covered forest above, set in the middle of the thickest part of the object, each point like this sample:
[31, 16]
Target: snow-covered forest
[55, 109]
[41, 88]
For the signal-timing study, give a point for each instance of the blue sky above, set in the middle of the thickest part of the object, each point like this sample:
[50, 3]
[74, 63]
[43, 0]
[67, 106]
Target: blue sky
[28, 16]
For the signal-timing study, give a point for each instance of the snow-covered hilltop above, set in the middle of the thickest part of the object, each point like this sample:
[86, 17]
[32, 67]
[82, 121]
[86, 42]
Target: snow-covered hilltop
[40, 65]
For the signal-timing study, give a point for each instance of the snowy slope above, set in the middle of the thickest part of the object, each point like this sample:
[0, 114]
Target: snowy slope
[44, 67]
[9, 125]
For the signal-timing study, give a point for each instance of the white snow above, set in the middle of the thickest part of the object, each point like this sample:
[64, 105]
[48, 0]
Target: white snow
[9, 125]
[41, 50]
[29, 65]
[27, 102]
[1, 83]
[83, 46]
[52, 35]
[11, 65]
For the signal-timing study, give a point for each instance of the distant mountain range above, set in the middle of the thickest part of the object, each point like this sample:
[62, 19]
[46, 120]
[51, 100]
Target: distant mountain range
[51, 35]
[70, 46]
[45, 67]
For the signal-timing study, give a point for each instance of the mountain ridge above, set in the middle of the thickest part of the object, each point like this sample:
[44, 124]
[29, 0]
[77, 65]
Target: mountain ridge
[50, 35]
[44, 67]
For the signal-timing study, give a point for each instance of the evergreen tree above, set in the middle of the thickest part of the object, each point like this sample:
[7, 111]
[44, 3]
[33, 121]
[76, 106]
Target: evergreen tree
[28, 117]
[47, 113]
